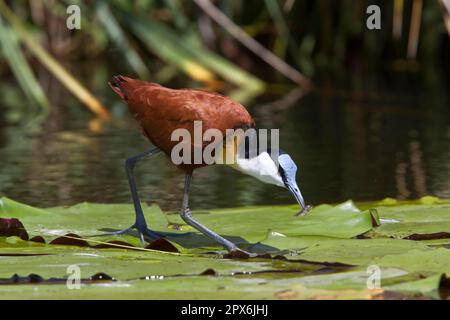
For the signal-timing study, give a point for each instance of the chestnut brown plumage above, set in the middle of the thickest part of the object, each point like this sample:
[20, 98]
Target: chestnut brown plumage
[159, 111]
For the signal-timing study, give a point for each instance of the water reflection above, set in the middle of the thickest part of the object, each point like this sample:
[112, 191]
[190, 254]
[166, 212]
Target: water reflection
[393, 143]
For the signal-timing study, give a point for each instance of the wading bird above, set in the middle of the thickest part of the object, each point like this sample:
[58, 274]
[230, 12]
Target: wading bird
[159, 111]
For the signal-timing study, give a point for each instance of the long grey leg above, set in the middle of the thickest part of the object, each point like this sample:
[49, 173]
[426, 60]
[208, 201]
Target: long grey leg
[187, 217]
[140, 223]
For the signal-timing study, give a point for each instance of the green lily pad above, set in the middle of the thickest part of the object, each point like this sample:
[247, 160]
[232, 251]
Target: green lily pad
[428, 286]
[421, 220]
[252, 224]
[349, 251]
[327, 253]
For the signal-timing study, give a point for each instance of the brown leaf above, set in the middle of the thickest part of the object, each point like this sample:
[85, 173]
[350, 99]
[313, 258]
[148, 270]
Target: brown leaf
[101, 276]
[13, 227]
[16, 279]
[70, 239]
[444, 287]
[38, 239]
[428, 236]
[286, 294]
[328, 264]
[162, 244]
[209, 272]
[24, 254]
[236, 254]
[37, 279]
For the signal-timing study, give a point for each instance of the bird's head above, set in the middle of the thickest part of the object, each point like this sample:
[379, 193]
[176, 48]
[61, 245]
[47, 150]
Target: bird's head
[287, 169]
[272, 167]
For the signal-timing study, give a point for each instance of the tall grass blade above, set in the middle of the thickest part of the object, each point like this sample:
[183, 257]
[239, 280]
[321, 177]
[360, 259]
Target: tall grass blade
[253, 45]
[397, 23]
[160, 42]
[445, 5]
[414, 31]
[72, 84]
[118, 37]
[283, 38]
[196, 61]
[20, 67]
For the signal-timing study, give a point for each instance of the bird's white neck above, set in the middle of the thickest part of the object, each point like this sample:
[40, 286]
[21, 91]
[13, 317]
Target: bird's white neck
[262, 167]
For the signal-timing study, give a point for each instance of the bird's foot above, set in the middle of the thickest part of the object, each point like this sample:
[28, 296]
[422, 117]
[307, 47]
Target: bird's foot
[173, 234]
[143, 230]
[304, 211]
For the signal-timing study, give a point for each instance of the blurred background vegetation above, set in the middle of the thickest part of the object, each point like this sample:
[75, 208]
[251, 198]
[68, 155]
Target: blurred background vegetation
[364, 92]
[156, 39]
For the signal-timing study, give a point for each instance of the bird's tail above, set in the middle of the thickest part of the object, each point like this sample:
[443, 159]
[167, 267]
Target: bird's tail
[117, 84]
[124, 86]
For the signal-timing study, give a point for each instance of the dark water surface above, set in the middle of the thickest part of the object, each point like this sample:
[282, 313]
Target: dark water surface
[389, 141]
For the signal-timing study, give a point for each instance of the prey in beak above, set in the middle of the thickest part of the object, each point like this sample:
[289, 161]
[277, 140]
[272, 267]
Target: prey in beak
[288, 171]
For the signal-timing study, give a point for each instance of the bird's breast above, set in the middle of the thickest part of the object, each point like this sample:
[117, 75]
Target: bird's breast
[261, 167]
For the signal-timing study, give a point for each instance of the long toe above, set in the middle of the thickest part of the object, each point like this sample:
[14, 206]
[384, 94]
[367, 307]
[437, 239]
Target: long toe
[113, 233]
[173, 234]
[151, 234]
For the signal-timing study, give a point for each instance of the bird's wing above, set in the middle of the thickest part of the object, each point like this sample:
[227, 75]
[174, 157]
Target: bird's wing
[160, 112]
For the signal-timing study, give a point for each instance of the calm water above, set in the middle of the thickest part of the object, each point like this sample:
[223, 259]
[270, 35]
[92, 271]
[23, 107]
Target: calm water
[390, 141]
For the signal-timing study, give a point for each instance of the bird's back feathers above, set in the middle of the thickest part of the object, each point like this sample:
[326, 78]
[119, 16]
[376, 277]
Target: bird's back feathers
[160, 110]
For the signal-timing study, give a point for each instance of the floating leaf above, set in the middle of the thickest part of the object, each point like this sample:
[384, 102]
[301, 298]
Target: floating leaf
[12, 227]
[312, 257]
